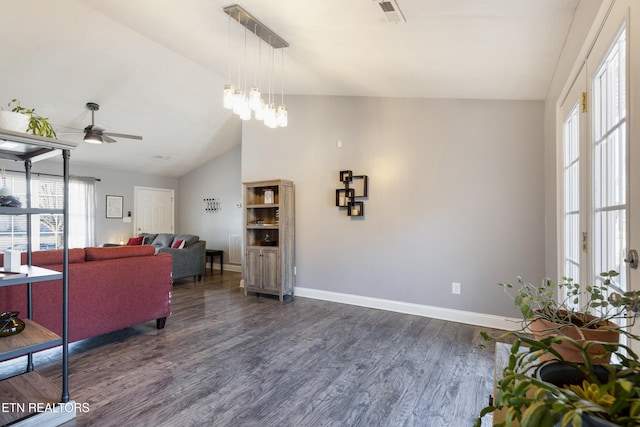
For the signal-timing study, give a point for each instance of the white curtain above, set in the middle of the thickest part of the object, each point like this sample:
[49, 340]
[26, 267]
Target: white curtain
[82, 212]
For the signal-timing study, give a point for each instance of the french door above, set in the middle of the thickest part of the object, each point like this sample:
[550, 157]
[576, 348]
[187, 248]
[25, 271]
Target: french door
[575, 197]
[599, 153]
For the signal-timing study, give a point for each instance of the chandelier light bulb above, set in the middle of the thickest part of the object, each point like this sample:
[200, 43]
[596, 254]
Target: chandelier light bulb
[245, 114]
[270, 119]
[258, 113]
[227, 100]
[238, 100]
[267, 115]
[254, 98]
[282, 118]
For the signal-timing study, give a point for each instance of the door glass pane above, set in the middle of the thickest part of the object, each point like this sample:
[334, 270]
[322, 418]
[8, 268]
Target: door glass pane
[571, 171]
[610, 163]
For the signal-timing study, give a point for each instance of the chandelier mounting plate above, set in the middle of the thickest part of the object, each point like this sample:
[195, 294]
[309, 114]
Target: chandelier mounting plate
[252, 24]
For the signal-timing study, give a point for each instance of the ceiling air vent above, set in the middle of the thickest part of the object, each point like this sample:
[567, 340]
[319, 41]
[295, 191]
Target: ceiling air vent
[391, 10]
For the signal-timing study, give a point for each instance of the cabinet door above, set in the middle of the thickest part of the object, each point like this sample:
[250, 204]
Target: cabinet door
[271, 269]
[254, 268]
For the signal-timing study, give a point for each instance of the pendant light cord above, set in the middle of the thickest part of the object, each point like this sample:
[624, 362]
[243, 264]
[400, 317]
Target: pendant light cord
[282, 75]
[229, 49]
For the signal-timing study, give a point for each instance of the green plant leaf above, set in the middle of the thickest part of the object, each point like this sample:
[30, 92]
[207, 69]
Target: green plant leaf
[537, 415]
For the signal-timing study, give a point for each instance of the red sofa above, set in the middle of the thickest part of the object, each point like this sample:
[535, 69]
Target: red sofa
[109, 289]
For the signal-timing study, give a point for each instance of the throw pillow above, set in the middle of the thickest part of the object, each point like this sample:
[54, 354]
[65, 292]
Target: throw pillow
[163, 240]
[178, 244]
[135, 241]
[148, 238]
[189, 239]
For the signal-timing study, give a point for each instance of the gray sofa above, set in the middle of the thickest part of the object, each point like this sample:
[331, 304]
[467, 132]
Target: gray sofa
[187, 261]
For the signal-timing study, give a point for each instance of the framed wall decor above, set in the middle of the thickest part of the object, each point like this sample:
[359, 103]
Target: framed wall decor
[354, 187]
[344, 196]
[360, 185]
[345, 176]
[114, 206]
[356, 209]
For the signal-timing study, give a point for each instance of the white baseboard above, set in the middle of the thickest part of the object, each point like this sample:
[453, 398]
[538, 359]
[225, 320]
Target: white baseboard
[468, 317]
[231, 267]
[226, 267]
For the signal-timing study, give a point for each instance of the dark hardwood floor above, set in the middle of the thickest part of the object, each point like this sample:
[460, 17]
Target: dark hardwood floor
[229, 360]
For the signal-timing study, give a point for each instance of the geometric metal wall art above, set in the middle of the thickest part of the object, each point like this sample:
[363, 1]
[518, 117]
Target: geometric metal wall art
[354, 187]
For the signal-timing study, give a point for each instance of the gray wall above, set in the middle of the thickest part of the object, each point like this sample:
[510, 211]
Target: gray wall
[456, 193]
[112, 182]
[219, 178]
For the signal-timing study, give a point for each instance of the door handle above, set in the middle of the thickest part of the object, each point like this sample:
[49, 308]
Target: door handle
[632, 258]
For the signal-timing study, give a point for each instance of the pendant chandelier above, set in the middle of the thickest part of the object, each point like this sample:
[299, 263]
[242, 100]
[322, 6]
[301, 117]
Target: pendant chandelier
[237, 98]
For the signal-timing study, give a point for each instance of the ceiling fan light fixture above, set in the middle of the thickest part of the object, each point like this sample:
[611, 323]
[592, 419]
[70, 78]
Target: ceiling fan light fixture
[93, 138]
[94, 134]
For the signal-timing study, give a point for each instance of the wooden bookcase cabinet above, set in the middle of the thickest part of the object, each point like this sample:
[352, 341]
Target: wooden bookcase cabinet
[269, 225]
[30, 390]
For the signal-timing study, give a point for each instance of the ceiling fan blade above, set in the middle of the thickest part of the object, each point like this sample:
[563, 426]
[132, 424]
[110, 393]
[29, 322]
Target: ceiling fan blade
[67, 129]
[105, 138]
[122, 135]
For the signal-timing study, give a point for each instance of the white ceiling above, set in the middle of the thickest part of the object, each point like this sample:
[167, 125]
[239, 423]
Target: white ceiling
[157, 67]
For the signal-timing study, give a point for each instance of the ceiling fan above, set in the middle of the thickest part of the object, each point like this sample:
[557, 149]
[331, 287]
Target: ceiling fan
[95, 134]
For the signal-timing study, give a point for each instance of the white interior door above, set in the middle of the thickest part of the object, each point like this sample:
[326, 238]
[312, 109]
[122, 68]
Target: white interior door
[154, 210]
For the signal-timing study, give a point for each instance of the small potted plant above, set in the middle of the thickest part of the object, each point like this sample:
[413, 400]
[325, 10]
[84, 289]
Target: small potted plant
[21, 119]
[581, 313]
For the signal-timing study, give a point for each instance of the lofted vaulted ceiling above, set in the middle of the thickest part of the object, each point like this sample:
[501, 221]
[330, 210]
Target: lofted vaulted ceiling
[157, 67]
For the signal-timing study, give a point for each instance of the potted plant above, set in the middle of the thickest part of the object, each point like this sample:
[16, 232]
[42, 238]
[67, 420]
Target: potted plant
[23, 119]
[585, 394]
[580, 313]
[590, 390]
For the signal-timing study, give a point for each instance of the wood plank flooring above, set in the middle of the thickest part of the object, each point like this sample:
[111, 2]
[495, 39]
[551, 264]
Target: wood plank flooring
[229, 360]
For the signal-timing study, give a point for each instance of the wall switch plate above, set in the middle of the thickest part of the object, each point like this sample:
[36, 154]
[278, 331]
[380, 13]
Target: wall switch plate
[455, 288]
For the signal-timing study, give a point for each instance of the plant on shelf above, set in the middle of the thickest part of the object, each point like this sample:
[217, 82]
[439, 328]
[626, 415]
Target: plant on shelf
[562, 376]
[37, 125]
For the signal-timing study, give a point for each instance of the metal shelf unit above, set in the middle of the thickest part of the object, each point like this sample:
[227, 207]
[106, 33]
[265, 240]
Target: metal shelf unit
[20, 389]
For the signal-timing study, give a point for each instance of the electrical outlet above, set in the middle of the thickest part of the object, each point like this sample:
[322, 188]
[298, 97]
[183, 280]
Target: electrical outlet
[456, 288]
